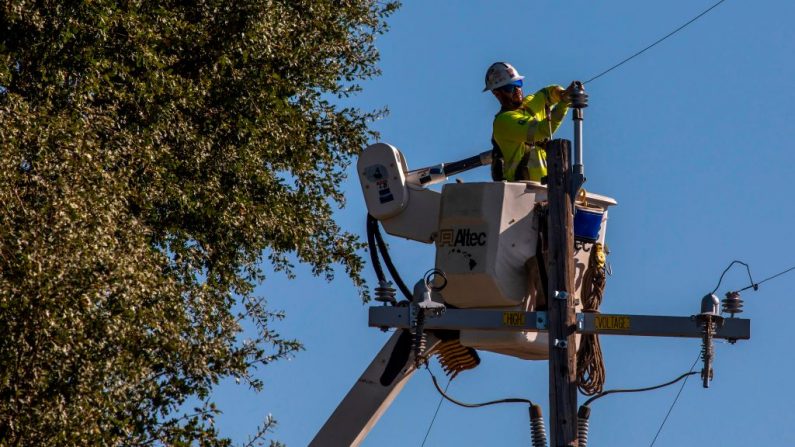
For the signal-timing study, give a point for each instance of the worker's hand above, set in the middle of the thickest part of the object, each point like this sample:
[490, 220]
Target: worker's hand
[561, 95]
[573, 87]
[566, 94]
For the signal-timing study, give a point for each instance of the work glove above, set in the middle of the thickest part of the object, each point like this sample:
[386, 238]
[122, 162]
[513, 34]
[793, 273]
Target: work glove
[577, 98]
[565, 95]
[559, 95]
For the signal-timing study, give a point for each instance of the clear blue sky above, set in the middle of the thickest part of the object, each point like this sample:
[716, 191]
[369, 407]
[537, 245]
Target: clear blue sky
[692, 139]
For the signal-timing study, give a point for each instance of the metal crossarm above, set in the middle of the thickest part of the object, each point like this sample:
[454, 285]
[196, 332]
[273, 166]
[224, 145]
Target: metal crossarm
[659, 326]
[587, 323]
[454, 319]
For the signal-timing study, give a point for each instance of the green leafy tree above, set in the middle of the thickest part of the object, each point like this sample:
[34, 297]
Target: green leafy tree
[154, 156]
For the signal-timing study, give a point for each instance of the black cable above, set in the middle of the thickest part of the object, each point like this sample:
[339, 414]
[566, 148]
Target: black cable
[510, 400]
[756, 285]
[674, 402]
[389, 265]
[435, 413]
[748, 268]
[638, 390]
[655, 43]
[371, 247]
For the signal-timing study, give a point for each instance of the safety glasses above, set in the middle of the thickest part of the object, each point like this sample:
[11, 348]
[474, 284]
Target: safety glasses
[510, 87]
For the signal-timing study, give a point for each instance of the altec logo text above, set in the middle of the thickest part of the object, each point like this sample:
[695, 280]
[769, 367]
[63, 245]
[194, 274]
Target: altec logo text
[463, 237]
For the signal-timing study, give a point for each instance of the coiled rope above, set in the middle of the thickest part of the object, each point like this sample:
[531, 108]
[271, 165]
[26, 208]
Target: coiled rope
[590, 363]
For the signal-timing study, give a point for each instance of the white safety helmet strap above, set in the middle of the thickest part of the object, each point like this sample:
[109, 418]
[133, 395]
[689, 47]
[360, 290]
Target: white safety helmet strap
[501, 74]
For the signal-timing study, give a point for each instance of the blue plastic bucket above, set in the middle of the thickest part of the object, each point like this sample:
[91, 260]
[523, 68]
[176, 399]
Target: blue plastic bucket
[587, 223]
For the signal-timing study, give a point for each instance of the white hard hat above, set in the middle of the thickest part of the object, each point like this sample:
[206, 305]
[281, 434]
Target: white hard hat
[500, 74]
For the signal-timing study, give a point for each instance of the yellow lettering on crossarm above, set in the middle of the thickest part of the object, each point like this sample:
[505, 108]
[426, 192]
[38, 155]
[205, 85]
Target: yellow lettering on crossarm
[612, 322]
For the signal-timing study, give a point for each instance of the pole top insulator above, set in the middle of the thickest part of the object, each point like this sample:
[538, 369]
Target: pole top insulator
[578, 97]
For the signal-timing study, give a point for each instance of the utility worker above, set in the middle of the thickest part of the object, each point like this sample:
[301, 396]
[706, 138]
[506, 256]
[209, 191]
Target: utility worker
[523, 125]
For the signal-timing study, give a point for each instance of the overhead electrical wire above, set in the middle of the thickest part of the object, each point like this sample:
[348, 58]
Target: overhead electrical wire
[639, 390]
[659, 430]
[756, 285]
[655, 43]
[510, 400]
[585, 411]
[747, 268]
[435, 413]
[537, 428]
[753, 285]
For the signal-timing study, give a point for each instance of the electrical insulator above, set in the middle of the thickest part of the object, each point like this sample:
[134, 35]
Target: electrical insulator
[732, 304]
[578, 98]
[537, 429]
[419, 343]
[583, 415]
[385, 293]
[418, 339]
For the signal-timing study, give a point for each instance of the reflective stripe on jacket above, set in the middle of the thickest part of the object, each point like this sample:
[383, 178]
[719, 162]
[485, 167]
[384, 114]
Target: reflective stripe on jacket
[517, 131]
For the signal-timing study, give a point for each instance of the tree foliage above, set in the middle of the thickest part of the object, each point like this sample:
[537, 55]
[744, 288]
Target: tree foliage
[154, 155]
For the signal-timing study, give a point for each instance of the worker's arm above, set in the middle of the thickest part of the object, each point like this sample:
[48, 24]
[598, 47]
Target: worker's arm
[552, 98]
[531, 124]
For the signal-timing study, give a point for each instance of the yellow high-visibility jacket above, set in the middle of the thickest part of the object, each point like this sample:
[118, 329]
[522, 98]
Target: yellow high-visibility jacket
[516, 131]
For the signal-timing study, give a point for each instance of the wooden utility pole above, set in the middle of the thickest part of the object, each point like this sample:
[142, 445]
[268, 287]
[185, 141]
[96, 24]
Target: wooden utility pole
[561, 311]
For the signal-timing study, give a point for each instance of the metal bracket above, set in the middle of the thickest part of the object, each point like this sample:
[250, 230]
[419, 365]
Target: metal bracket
[414, 311]
[541, 321]
[562, 344]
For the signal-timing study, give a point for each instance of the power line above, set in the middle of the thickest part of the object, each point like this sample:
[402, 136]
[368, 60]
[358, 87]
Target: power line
[756, 285]
[639, 390]
[443, 395]
[659, 430]
[510, 400]
[747, 267]
[752, 285]
[655, 43]
[438, 406]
